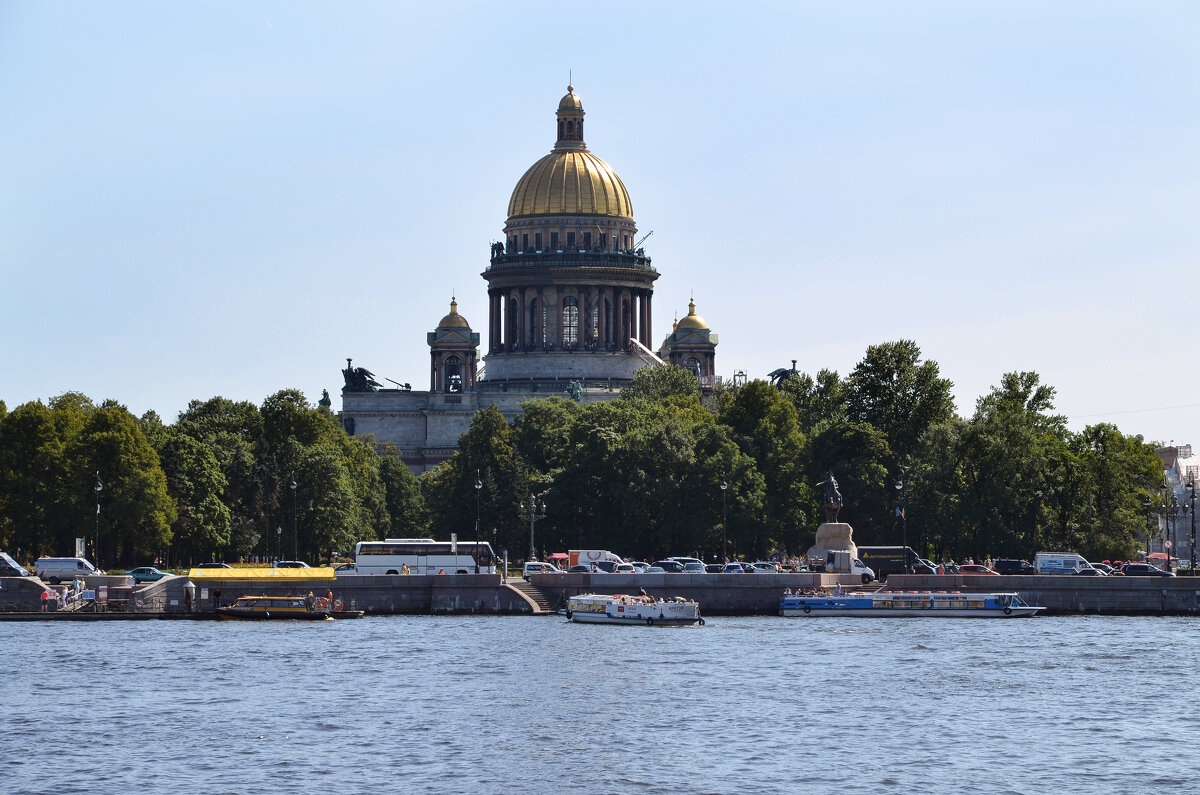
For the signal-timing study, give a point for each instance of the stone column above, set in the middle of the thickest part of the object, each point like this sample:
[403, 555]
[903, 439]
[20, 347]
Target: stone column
[522, 312]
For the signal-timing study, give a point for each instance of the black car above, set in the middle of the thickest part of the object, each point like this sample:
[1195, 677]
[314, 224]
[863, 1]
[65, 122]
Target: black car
[1144, 570]
[714, 568]
[1012, 566]
[670, 566]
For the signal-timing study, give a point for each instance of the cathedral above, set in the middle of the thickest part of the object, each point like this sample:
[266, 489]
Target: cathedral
[570, 312]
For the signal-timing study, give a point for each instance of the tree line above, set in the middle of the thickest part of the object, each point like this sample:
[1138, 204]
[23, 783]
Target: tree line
[641, 474]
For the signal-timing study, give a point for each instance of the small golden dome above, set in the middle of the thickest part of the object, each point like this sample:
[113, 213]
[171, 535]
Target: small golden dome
[570, 101]
[692, 320]
[453, 320]
[570, 182]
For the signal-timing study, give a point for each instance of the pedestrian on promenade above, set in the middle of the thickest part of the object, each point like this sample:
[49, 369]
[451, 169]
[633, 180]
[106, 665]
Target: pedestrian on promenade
[45, 601]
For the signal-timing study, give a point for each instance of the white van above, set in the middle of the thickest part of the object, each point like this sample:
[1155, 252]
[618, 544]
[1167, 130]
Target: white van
[1059, 563]
[55, 570]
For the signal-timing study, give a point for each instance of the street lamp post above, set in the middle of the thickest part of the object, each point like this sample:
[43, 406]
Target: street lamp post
[724, 523]
[1172, 511]
[533, 514]
[1191, 487]
[295, 523]
[478, 492]
[903, 521]
[96, 536]
[278, 543]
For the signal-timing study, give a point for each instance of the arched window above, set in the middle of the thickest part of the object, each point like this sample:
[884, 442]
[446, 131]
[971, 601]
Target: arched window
[452, 368]
[570, 130]
[570, 320]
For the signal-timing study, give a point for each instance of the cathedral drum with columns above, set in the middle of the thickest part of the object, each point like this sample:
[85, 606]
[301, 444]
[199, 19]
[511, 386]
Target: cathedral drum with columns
[569, 311]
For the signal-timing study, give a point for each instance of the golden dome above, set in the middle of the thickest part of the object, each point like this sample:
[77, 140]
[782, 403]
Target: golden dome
[453, 320]
[692, 320]
[570, 101]
[570, 182]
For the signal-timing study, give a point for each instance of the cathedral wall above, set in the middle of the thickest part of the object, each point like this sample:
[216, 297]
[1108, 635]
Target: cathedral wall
[591, 365]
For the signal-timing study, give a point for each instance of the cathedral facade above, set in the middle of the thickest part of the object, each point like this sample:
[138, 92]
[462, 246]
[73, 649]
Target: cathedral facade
[570, 312]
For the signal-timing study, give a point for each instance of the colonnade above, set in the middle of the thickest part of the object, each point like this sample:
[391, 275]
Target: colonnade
[608, 317]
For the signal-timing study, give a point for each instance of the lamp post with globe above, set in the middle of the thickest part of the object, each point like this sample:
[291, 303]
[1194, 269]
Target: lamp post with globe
[478, 493]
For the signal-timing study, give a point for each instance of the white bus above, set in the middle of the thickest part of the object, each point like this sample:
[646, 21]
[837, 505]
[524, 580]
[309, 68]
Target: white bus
[423, 556]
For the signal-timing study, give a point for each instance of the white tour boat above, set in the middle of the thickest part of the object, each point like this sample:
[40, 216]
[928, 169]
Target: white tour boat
[597, 608]
[902, 604]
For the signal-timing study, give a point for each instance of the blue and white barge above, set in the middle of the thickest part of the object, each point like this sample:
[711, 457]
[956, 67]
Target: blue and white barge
[907, 604]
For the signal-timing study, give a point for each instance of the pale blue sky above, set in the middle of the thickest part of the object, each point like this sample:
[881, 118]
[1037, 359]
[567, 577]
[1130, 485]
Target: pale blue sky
[216, 198]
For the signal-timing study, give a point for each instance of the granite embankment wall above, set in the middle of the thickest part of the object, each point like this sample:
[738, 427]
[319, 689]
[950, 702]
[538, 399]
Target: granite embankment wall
[718, 594]
[1068, 594]
[758, 594]
[414, 593]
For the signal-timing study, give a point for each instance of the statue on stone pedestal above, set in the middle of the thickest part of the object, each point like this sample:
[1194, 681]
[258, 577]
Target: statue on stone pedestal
[833, 498]
[576, 390]
[359, 379]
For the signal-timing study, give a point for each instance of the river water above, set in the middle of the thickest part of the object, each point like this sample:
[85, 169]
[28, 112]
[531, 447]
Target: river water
[536, 704]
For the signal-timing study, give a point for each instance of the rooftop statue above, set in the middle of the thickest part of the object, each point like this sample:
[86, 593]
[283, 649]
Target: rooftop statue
[359, 379]
[833, 498]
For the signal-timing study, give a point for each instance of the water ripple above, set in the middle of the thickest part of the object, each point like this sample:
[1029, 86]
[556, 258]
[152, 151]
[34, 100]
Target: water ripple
[437, 704]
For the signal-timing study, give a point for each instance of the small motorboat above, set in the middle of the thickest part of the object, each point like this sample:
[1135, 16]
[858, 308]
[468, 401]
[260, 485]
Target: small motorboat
[265, 608]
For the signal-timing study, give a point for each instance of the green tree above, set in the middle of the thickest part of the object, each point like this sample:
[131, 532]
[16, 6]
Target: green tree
[855, 452]
[898, 394]
[137, 512]
[402, 493]
[1008, 450]
[542, 430]
[1121, 472]
[662, 383]
[32, 481]
[201, 530]
[764, 425]
[818, 402]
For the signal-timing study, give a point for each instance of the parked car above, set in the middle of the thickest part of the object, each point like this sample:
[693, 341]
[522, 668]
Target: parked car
[1144, 570]
[974, 568]
[214, 566]
[345, 568]
[714, 568]
[693, 568]
[146, 574]
[655, 570]
[669, 566]
[1014, 566]
[290, 564]
[766, 566]
[624, 568]
[579, 568]
[539, 567]
[734, 568]
[1089, 572]
[925, 566]
[686, 561]
[10, 568]
[1104, 567]
[55, 570]
[640, 565]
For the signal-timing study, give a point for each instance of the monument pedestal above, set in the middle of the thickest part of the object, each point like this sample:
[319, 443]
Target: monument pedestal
[833, 537]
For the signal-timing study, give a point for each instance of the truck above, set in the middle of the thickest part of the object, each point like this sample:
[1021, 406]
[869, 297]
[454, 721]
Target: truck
[890, 560]
[600, 558]
[1059, 563]
[842, 562]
